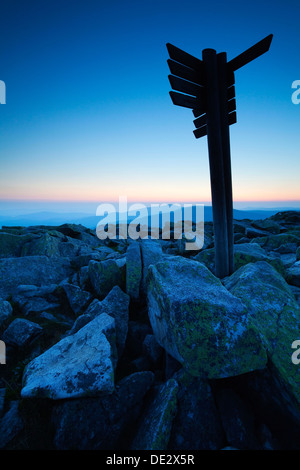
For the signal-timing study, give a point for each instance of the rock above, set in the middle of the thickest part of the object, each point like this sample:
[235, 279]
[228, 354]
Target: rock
[252, 252]
[287, 218]
[45, 245]
[2, 400]
[155, 427]
[137, 332]
[267, 225]
[274, 406]
[273, 311]
[116, 304]
[244, 253]
[252, 232]
[152, 349]
[133, 270]
[83, 260]
[78, 299]
[98, 423]
[288, 259]
[21, 333]
[272, 242]
[105, 275]
[197, 424]
[78, 365]
[237, 420]
[37, 270]
[11, 424]
[5, 312]
[293, 274]
[198, 322]
[11, 244]
[298, 254]
[151, 253]
[287, 248]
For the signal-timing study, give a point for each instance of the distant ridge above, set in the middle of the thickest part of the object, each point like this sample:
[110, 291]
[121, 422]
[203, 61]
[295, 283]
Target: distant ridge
[54, 218]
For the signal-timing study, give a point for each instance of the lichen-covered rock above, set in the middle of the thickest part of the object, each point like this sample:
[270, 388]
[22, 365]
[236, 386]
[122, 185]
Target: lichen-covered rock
[251, 252]
[273, 311]
[46, 245]
[21, 333]
[34, 270]
[105, 275]
[199, 322]
[78, 365]
[155, 428]
[133, 270]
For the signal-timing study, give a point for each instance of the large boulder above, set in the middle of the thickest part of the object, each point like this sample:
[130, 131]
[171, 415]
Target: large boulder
[273, 311]
[79, 365]
[200, 323]
[105, 275]
[36, 270]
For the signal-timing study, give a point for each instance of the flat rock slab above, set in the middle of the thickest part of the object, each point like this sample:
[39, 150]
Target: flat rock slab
[200, 323]
[79, 365]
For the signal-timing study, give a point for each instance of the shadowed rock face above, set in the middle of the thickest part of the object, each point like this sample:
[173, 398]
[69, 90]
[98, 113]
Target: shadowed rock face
[199, 322]
[143, 347]
[274, 313]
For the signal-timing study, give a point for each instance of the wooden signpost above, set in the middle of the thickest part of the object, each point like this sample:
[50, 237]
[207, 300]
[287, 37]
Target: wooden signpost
[207, 87]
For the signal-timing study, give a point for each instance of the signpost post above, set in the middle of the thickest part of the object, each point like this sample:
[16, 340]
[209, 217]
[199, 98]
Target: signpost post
[207, 87]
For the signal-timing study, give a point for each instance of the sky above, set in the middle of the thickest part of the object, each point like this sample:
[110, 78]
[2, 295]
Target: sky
[88, 116]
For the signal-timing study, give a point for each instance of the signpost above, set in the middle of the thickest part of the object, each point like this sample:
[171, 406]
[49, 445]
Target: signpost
[207, 87]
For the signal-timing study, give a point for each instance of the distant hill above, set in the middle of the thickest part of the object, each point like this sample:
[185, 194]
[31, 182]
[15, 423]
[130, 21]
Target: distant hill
[53, 218]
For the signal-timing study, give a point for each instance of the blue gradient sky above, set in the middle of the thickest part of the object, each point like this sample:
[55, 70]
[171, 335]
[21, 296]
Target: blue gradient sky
[89, 117]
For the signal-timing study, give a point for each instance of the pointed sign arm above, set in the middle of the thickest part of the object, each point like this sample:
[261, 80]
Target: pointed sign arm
[250, 54]
[184, 58]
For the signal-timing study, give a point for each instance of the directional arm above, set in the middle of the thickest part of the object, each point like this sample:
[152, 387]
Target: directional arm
[250, 54]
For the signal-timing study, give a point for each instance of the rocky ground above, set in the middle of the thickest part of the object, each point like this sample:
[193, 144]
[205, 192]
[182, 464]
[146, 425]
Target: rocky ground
[137, 345]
